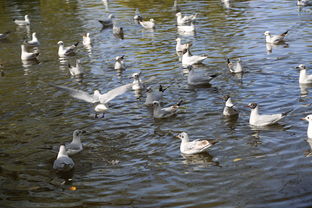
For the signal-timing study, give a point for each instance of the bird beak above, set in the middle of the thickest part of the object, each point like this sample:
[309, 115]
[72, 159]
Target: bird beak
[83, 131]
[297, 67]
[302, 119]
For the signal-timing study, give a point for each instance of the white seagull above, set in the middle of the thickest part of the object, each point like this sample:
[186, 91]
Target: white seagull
[154, 95]
[107, 22]
[75, 70]
[75, 146]
[159, 112]
[86, 40]
[34, 41]
[304, 78]
[198, 79]
[26, 56]
[188, 59]
[229, 109]
[274, 39]
[193, 147]
[66, 51]
[63, 162]
[26, 21]
[308, 118]
[180, 47]
[256, 119]
[120, 64]
[235, 67]
[147, 24]
[186, 19]
[304, 3]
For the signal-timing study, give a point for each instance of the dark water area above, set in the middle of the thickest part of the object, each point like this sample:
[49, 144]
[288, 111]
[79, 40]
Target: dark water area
[130, 159]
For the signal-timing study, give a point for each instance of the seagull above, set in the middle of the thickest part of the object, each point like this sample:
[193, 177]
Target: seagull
[118, 32]
[188, 59]
[147, 24]
[119, 64]
[66, 51]
[86, 40]
[198, 79]
[63, 162]
[26, 21]
[304, 3]
[28, 55]
[180, 47]
[256, 119]
[159, 112]
[193, 147]
[107, 22]
[75, 146]
[4, 35]
[235, 67]
[274, 39]
[34, 41]
[304, 78]
[75, 70]
[229, 109]
[96, 97]
[152, 95]
[186, 19]
[308, 118]
[137, 15]
[186, 28]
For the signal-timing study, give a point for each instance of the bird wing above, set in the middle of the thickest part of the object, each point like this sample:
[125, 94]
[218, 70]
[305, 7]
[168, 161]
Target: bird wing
[269, 119]
[63, 163]
[105, 98]
[78, 94]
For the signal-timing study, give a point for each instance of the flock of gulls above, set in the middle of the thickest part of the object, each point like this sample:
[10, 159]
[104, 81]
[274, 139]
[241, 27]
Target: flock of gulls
[185, 23]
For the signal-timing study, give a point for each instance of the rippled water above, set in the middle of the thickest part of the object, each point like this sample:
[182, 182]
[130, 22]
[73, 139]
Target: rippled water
[130, 159]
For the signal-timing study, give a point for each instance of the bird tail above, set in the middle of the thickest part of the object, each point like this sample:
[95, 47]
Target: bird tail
[179, 103]
[285, 33]
[7, 32]
[228, 60]
[76, 44]
[214, 75]
[162, 89]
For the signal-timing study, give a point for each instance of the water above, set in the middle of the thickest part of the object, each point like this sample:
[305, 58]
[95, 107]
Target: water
[130, 159]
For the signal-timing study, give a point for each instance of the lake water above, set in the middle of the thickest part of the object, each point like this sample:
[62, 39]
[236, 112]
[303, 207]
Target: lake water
[130, 159]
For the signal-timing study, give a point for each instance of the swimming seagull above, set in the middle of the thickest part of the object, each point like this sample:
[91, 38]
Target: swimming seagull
[28, 55]
[188, 59]
[193, 147]
[75, 146]
[107, 23]
[4, 35]
[118, 32]
[26, 21]
[309, 131]
[147, 24]
[180, 47]
[235, 67]
[63, 162]
[159, 112]
[96, 97]
[137, 83]
[304, 3]
[274, 39]
[154, 95]
[198, 79]
[119, 64]
[34, 41]
[229, 109]
[186, 19]
[304, 78]
[75, 70]
[86, 40]
[66, 51]
[256, 119]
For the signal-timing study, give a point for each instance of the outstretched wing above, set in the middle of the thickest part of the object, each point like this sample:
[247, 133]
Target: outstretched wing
[78, 94]
[105, 98]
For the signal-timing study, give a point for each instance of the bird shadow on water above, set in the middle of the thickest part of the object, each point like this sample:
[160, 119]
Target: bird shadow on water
[203, 159]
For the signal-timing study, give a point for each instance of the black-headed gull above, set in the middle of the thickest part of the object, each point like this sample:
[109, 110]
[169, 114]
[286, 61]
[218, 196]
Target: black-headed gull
[66, 51]
[137, 83]
[193, 147]
[75, 70]
[63, 162]
[154, 95]
[308, 118]
[186, 19]
[119, 63]
[235, 67]
[118, 32]
[4, 35]
[188, 59]
[147, 24]
[26, 21]
[159, 112]
[256, 119]
[107, 23]
[304, 78]
[274, 39]
[34, 41]
[28, 55]
[199, 79]
[75, 146]
[137, 15]
[229, 109]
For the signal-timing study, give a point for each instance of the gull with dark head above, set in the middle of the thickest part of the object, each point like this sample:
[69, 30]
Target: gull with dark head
[257, 119]
[193, 147]
[63, 162]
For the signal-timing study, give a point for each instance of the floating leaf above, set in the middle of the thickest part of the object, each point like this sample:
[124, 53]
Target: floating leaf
[237, 159]
[73, 188]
